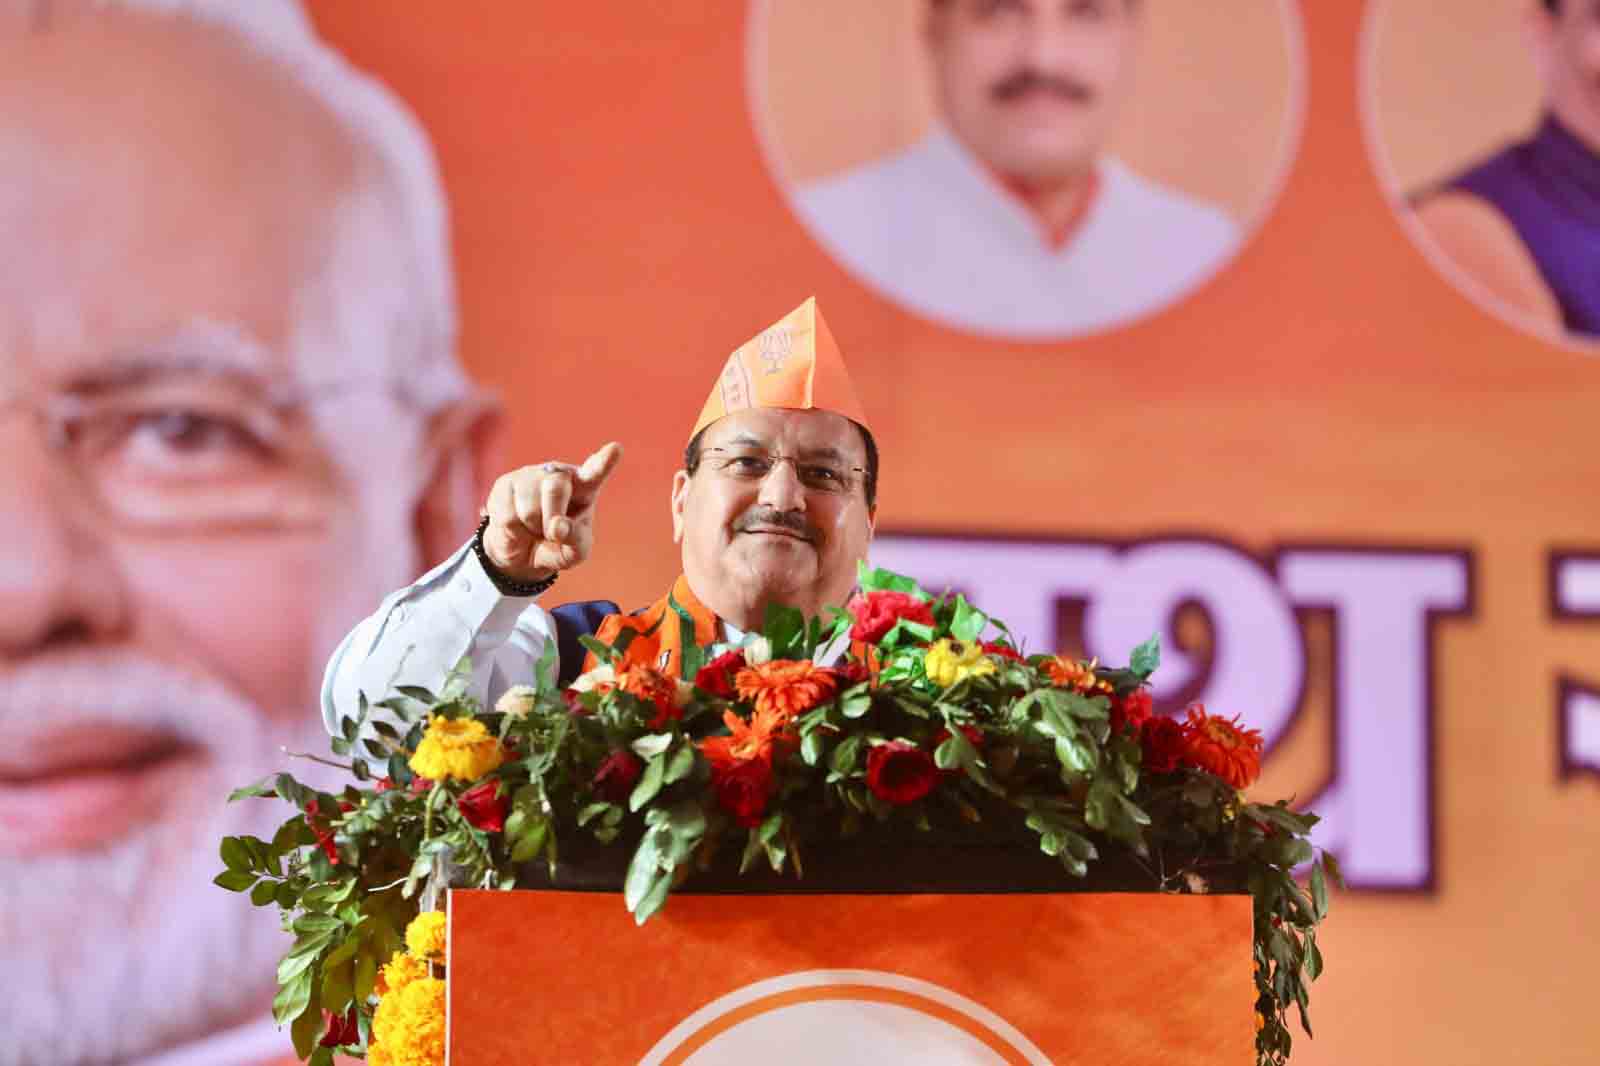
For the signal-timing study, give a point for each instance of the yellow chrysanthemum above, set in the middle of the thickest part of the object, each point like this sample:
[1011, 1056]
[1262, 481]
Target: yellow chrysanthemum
[949, 661]
[459, 748]
[409, 1025]
[425, 936]
[400, 971]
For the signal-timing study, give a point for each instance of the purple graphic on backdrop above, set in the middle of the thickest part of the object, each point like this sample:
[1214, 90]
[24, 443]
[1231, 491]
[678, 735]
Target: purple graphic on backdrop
[1575, 594]
[1378, 802]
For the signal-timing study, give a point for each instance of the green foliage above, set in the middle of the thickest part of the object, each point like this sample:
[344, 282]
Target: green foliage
[349, 871]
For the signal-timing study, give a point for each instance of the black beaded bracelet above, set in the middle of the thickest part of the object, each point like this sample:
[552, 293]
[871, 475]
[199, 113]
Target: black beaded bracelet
[506, 585]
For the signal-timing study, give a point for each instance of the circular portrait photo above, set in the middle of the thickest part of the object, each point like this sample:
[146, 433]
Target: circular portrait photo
[1030, 169]
[1485, 119]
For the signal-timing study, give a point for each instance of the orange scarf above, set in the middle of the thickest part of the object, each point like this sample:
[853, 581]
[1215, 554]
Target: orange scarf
[661, 631]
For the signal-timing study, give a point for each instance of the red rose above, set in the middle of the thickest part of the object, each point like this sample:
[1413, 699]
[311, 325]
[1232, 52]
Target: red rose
[1005, 651]
[616, 775]
[341, 1030]
[743, 788]
[383, 784]
[876, 613]
[900, 773]
[1133, 709]
[853, 672]
[1164, 741]
[483, 807]
[420, 784]
[716, 676]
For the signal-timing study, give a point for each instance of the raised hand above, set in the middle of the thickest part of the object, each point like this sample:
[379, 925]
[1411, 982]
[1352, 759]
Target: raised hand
[541, 517]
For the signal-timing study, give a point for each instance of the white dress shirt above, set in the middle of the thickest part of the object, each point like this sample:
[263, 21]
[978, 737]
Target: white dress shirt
[933, 230]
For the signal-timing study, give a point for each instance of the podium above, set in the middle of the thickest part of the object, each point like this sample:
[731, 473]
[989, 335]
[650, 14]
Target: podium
[955, 952]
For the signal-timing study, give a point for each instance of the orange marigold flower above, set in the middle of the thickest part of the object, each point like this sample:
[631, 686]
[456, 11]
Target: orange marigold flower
[786, 686]
[1223, 747]
[747, 741]
[654, 687]
[1070, 673]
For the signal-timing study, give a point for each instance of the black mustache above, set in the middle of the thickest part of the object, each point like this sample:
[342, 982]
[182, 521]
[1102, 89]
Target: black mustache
[771, 517]
[1027, 80]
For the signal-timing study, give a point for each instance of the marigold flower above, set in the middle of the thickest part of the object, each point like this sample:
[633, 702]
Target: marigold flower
[1080, 677]
[456, 748]
[517, 701]
[654, 688]
[786, 686]
[1223, 747]
[425, 936]
[409, 1025]
[948, 661]
[399, 971]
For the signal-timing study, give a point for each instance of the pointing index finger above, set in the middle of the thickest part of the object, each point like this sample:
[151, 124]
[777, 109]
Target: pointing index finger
[599, 466]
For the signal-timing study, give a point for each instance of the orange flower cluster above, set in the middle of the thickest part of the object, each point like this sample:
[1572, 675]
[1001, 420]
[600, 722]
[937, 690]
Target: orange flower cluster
[1222, 747]
[785, 686]
[752, 741]
[1080, 677]
[651, 686]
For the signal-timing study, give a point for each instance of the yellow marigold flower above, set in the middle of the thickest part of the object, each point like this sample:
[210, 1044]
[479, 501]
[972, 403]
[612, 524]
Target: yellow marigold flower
[949, 661]
[399, 971]
[425, 936]
[409, 1025]
[459, 748]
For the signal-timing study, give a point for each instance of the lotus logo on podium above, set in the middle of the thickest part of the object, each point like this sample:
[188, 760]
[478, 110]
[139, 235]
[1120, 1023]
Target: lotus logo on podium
[845, 1018]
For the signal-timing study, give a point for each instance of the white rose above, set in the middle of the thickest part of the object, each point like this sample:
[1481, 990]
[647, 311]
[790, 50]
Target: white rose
[516, 701]
[757, 650]
[600, 675]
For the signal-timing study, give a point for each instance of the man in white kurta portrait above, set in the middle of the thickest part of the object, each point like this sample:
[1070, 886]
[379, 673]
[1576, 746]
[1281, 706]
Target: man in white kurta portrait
[232, 417]
[1011, 216]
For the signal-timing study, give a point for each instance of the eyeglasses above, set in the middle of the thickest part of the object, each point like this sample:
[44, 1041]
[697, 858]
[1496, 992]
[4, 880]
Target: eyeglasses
[829, 476]
[195, 451]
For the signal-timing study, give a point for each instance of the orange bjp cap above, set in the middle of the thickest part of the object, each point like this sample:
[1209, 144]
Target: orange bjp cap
[793, 363]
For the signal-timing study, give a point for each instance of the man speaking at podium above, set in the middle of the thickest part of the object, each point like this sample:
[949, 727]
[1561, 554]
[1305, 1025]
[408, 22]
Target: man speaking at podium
[774, 505]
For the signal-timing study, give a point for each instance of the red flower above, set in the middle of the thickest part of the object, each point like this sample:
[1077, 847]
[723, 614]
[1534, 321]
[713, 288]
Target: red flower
[876, 613]
[616, 775]
[973, 734]
[743, 789]
[716, 676]
[1164, 741]
[655, 688]
[899, 772]
[1223, 747]
[1005, 651]
[341, 1030]
[420, 784]
[853, 672]
[483, 807]
[1134, 709]
[383, 784]
[323, 834]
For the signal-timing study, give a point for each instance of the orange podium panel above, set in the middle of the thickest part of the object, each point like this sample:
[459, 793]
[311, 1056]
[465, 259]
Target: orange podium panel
[888, 980]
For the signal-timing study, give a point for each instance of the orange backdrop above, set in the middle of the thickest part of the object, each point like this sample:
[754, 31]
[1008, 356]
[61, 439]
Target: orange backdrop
[618, 231]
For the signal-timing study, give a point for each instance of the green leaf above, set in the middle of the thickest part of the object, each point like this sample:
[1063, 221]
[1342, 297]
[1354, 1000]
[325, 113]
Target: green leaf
[235, 856]
[602, 652]
[234, 880]
[856, 703]
[843, 759]
[366, 975]
[1146, 657]
[292, 999]
[643, 870]
[947, 756]
[811, 746]
[263, 893]
[680, 765]
[873, 580]
[264, 787]
[416, 692]
[968, 621]
[651, 745]
[545, 671]
[307, 1028]
[771, 827]
[531, 842]
[649, 783]
[653, 900]
[1319, 893]
[591, 812]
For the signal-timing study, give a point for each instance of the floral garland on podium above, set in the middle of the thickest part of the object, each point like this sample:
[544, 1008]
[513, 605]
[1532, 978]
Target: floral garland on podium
[766, 751]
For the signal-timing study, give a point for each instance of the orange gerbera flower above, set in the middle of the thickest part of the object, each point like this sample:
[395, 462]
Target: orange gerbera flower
[747, 741]
[786, 686]
[1070, 673]
[1223, 747]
